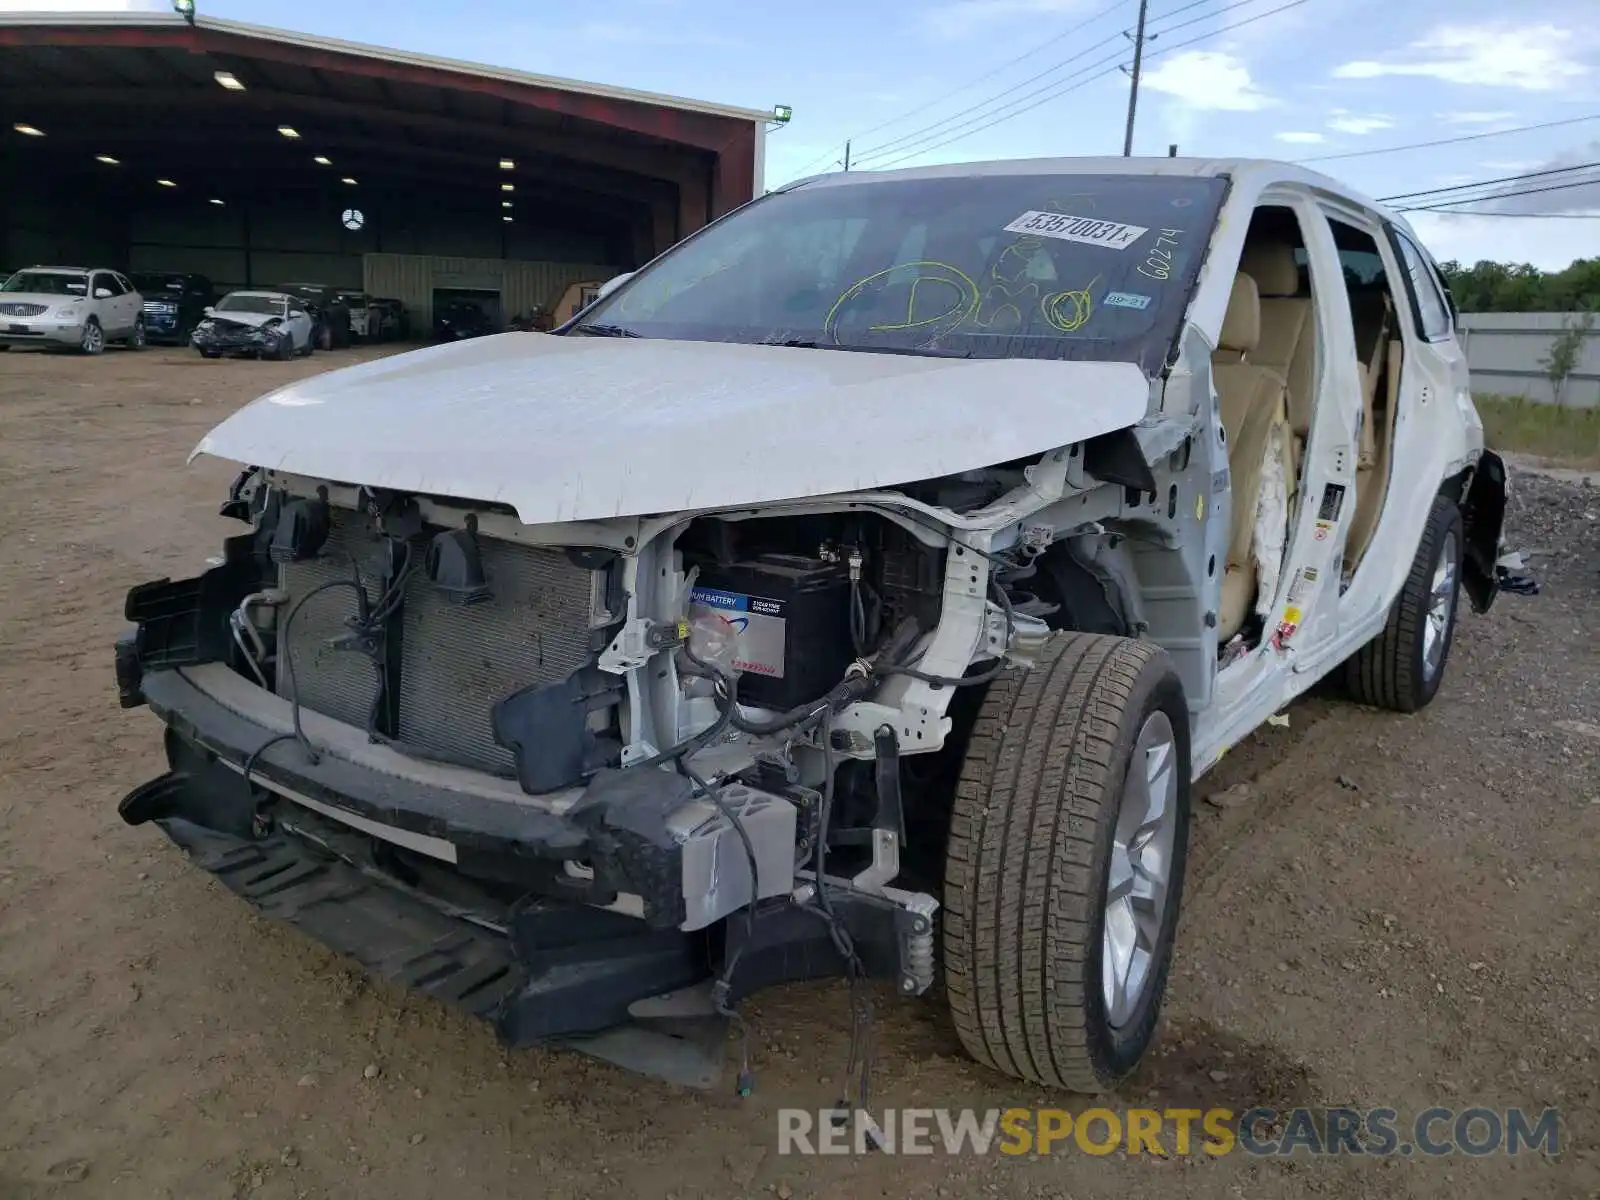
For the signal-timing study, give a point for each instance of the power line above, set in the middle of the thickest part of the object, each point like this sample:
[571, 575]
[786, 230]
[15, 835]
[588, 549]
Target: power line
[1468, 137]
[940, 126]
[944, 125]
[1208, 16]
[1271, 12]
[1552, 187]
[1465, 212]
[980, 123]
[1052, 91]
[991, 73]
[1463, 187]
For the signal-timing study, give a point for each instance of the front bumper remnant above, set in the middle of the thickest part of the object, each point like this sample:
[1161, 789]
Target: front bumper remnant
[470, 899]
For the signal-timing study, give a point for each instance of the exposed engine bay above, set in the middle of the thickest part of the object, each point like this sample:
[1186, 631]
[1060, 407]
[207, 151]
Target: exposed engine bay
[678, 723]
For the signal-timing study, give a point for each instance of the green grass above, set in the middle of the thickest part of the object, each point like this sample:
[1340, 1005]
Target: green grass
[1569, 436]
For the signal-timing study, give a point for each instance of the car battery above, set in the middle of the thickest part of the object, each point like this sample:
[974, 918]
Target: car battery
[791, 614]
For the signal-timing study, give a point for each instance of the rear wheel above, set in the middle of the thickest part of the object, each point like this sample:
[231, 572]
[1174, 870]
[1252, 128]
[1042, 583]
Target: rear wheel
[136, 339]
[1402, 667]
[1065, 862]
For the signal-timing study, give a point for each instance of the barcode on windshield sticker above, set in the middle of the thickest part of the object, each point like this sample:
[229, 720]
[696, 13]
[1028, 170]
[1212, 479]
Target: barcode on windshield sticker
[1114, 235]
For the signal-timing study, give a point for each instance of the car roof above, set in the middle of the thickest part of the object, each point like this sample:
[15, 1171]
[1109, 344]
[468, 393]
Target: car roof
[267, 294]
[1251, 174]
[64, 270]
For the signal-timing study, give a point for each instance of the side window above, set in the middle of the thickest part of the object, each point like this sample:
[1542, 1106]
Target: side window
[122, 283]
[1433, 310]
[102, 281]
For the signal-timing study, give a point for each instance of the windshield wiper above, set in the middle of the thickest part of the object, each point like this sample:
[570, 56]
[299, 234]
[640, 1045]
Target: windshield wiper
[603, 331]
[915, 351]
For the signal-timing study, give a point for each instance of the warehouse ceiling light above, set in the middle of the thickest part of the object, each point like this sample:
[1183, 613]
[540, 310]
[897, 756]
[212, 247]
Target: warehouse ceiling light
[30, 130]
[505, 204]
[108, 160]
[288, 131]
[508, 187]
[322, 160]
[218, 203]
[166, 183]
[349, 180]
[506, 164]
[507, 220]
[228, 80]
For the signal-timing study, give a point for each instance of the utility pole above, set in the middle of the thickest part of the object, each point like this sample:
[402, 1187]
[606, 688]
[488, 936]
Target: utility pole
[1133, 90]
[847, 154]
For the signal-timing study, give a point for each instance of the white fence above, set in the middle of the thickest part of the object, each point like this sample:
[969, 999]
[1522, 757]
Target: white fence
[1506, 352]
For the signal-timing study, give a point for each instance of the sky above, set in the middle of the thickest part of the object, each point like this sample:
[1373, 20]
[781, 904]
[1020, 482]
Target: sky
[962, 80]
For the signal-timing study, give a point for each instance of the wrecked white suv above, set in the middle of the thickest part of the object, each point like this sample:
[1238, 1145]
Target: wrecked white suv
[857, 589]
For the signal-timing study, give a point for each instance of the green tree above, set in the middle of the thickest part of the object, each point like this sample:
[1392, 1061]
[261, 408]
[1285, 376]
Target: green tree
[1566, 351]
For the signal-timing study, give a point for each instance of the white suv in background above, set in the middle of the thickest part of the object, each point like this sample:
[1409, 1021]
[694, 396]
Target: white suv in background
[70, 306]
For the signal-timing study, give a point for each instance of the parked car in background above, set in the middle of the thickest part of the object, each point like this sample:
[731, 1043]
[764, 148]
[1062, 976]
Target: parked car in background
[457, 319]
[257, 325]
[78, 307]
[359, 306]
[174, 303]
[387, 320]
[330, 314]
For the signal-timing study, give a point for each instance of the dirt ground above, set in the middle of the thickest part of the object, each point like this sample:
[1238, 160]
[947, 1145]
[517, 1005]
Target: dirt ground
[1395, 911]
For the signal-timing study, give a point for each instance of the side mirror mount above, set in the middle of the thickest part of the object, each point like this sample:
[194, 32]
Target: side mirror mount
[613, 284]
[210, 311]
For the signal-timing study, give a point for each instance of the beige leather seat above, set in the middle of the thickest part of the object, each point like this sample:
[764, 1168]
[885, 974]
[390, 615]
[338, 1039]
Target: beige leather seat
[1255, 417]
[1288, 334]
[1383, 366]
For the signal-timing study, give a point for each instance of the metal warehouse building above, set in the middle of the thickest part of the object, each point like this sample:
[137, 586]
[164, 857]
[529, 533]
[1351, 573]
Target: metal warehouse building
[159, 142]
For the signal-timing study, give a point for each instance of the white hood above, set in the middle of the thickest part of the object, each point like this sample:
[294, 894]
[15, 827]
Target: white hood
[586, 428]
[254, 319]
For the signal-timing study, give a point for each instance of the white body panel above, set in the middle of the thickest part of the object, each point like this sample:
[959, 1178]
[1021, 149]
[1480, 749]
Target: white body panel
[589, 428]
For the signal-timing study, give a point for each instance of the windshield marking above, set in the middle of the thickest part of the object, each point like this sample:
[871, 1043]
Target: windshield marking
[923, 271]
[1090, 231]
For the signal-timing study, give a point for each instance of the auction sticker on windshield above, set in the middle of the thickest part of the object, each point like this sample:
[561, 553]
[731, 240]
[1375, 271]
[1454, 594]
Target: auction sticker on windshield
[1113, 235]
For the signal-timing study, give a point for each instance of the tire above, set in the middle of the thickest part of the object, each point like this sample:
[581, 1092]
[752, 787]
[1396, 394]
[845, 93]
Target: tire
[209, 353]
[136, 340]
[1033, 838]
[308, 349]
[93, 340]
[284, 350]
[1402, 667]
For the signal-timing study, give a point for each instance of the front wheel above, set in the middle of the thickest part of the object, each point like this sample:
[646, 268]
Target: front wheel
[1402, 667]
[1065, 862]
[93, 339]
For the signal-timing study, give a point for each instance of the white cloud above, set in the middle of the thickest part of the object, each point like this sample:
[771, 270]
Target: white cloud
[1347, 122]
[1300, 137]
[1475, 118]
[1533, 58]
[962, 17]
[1208, 79]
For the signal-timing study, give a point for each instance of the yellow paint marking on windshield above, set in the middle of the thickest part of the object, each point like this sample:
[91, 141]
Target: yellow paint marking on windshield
[1070, 311]
[921, 272]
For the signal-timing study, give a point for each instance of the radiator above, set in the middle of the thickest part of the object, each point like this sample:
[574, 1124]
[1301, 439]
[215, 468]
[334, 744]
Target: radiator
[456, 661]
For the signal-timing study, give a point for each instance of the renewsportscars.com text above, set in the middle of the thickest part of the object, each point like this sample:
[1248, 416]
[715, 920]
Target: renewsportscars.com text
[1375, 1132]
